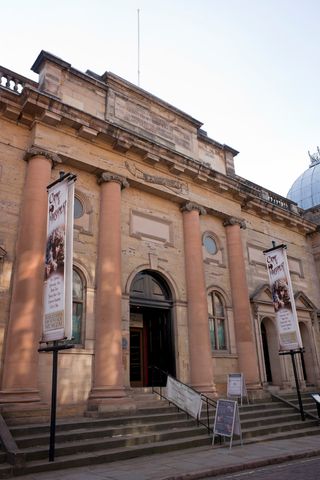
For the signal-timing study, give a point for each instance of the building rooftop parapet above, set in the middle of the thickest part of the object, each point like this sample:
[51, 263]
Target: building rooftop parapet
[175, 149]
[46, 56]
[268, 195]
[14, 82]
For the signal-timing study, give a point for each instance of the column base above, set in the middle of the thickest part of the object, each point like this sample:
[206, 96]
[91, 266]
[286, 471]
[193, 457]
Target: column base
[109, 399]
[107, 392]
[100, 393]
[19, 396]
[256, 391]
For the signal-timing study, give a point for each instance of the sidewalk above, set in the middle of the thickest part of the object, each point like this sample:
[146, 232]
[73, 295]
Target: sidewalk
[192, 464]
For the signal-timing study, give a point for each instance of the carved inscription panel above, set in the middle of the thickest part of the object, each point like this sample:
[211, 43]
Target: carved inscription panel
[149, 227]
[153, 124]
[256, 257]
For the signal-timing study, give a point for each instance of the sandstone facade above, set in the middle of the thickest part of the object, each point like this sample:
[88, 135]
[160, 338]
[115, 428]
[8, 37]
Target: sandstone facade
[165, 223]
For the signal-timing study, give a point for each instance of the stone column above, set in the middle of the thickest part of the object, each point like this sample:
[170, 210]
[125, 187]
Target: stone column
[247, 353]
[201, 372]
[20, 366]
[108, 379]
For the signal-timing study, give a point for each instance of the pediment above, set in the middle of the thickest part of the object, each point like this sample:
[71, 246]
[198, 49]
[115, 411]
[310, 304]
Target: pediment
[303, 302]
[262, 294]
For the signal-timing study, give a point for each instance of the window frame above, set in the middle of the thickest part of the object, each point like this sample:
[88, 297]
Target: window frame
[78, 199]
[211, 236]
[214, 319]
[79, 301]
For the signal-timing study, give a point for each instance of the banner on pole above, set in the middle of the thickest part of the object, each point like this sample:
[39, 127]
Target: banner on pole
[57, 318]
[283, 299]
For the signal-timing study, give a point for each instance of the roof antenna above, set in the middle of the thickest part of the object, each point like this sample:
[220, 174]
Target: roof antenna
[138, 11]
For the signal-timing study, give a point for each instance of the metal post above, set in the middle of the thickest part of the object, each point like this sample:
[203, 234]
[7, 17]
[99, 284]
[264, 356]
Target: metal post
[292, 353]
[53, 402]
[54, 349]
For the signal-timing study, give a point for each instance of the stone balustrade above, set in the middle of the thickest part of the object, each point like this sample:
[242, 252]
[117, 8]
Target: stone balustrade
[12, 81]
[268, 196]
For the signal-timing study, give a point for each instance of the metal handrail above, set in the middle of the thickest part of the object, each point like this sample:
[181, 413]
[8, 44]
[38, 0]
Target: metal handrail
[14, 455]
[290, 404]
[207, 400]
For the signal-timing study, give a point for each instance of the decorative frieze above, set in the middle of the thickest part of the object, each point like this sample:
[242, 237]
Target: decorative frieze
[175, 185]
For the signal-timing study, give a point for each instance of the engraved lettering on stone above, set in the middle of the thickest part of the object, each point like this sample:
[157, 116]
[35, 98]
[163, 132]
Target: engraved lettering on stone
[151, 122]
[174, 185]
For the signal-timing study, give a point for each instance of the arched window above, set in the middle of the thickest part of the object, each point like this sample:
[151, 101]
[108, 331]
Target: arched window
[217, 321]
[78, 209]
[78, 296]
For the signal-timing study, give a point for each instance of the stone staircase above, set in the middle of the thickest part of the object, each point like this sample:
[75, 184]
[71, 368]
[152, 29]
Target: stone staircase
[309, 404]
[151, 427]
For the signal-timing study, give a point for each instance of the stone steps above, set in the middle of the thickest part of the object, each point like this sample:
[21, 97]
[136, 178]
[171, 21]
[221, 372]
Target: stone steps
[152, 427]
[70, 444]
[115, 454]
[309, 404]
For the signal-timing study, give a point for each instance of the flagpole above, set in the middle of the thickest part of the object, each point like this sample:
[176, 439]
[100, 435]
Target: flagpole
[138, 11]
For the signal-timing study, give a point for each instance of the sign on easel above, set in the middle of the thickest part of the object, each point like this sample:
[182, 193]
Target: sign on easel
[237, 386]
[227, 420]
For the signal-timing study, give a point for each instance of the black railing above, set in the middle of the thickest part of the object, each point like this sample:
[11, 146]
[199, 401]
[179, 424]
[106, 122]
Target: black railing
[160, 376]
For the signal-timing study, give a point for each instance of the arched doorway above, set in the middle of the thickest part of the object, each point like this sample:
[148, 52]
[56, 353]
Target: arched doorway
[151, 329]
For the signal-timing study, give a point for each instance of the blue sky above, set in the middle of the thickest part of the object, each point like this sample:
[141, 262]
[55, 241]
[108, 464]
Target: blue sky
[248, 69]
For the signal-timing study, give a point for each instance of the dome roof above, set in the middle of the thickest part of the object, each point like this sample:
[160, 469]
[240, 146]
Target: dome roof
[305, 191]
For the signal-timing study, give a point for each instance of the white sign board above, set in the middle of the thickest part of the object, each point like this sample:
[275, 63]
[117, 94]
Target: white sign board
[316, 397]
[236, 386]
[184, 397]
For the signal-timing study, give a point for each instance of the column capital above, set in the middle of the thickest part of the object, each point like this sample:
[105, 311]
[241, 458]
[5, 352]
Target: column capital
[235, 221]
[112, 177]
[190, 206]
[41, 152]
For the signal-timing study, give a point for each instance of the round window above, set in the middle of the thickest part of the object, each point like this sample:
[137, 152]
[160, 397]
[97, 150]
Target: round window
[210, 245]
[78, 208]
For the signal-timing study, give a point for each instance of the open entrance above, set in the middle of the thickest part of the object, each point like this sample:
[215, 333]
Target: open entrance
[151, 330]
[270, 345]
[307, 363]
[266, 353]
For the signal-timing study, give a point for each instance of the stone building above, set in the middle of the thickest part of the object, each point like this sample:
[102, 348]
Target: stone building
[168, 242]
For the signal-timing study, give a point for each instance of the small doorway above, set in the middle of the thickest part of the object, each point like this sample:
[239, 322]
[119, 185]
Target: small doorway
[151, 330]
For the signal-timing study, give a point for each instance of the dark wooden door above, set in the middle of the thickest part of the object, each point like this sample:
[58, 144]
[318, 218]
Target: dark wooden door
[136, 357]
